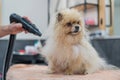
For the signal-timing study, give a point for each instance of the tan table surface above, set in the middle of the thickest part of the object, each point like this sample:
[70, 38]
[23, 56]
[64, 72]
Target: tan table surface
[38, 72]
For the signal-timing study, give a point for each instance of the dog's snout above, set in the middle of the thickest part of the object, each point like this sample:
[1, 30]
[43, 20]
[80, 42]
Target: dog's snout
[77, 27]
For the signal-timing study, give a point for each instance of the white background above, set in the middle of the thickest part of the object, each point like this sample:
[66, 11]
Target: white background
[36, 10]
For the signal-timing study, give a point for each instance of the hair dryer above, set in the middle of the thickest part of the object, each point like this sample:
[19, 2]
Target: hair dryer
[27, 25]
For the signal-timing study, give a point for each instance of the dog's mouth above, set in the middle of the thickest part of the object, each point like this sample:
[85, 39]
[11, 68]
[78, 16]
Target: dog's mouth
[75, 30]
[73, 33]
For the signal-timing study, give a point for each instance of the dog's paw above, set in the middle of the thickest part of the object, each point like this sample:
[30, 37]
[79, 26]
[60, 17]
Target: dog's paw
[68, 72]
[88, 72]
[50, 72]
[85, 73]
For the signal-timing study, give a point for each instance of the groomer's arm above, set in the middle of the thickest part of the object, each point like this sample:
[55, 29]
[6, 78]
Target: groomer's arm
[12, 28]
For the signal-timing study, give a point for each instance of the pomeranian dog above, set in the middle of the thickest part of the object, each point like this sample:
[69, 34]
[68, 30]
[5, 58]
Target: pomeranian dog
[67, 49]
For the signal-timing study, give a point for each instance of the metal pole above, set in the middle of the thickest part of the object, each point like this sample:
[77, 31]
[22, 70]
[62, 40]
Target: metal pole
[8, 56]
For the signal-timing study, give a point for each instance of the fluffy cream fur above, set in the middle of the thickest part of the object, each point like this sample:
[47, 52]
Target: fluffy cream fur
[67, 50]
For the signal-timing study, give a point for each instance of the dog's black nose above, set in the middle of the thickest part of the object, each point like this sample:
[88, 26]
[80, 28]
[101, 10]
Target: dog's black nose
[76, 29]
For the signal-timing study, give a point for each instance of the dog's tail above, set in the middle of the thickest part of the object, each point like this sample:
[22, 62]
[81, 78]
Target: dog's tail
[106, 66]
[111, 67]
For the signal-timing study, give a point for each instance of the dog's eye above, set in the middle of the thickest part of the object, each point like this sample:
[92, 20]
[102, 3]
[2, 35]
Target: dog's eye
[74, 22]
[69, 24]
[78, 22]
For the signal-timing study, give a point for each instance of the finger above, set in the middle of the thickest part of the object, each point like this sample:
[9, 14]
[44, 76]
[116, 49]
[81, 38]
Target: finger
[15, 26]
[27, 19]
[18, 25]
[26, 31]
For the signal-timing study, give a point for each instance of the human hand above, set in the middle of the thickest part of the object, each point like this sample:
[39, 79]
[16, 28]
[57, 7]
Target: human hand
[15, 28]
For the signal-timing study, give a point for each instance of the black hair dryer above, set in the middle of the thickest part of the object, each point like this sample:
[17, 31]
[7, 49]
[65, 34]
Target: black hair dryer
[27, 25]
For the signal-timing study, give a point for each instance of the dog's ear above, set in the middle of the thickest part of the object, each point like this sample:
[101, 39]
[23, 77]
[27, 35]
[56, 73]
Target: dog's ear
[59, 17]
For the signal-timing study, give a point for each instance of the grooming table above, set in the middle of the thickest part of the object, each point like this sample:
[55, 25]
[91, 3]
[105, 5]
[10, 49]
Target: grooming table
[38, 72]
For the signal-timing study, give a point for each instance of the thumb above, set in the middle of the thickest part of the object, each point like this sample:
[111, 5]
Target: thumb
[18, 24]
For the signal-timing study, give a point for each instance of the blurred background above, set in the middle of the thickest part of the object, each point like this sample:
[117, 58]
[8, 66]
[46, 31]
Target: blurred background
[101, 18]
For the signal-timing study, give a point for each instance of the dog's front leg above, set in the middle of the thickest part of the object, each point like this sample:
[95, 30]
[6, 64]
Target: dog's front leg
[68, 71]
[51, 68]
